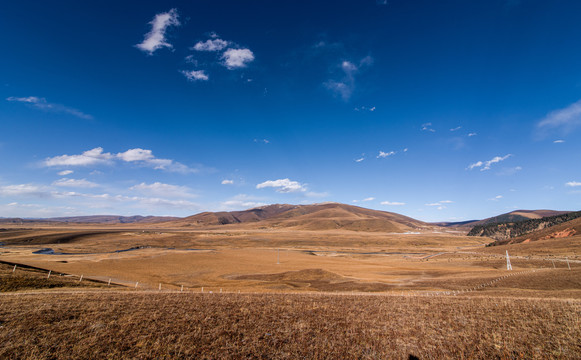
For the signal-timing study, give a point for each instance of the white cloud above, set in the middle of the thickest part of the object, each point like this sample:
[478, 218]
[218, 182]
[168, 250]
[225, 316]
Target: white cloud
[211, 45]
[195, 75]
[392, 203]
[42, 104]
[496, 198]
[566, 119]
[97, 156]
[456, 128]
[227, 182]
[89, 157]
[155, 39]
[241, 201]
[360, 159]
[385, 154]
[439, 204]
[237, 58]
[486, 165]
[365, 200]
[65, 172]
[476, 164]
[24, 190]
[146, 157]
[80, 183]
[559, 141]
[345, 86]
[573, 184]
[283, 185]
[164, 190]
[472, 134]
[266, 141]
[427, 127]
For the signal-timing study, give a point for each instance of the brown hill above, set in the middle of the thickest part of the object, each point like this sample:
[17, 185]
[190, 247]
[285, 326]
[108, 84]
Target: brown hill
[327, 216]
[566, 229]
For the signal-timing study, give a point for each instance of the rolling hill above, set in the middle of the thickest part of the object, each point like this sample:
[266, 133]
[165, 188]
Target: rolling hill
[327, 216]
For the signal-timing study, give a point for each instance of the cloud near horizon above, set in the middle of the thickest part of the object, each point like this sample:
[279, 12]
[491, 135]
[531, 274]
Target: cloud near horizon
[392, 203]
[283, 186]
[155, 38]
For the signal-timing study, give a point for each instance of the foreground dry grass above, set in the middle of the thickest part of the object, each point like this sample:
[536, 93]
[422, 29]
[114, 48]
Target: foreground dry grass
[185, 325]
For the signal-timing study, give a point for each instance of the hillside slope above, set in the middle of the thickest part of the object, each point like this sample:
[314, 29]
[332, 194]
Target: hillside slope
[507, 230]
[326, 216]
[566, 229]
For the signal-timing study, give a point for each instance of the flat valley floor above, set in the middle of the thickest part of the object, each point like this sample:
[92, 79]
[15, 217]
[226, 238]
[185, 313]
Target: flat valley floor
[243, 293]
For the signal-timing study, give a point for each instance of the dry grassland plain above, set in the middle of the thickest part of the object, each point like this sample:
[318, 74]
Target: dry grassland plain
[286, 294]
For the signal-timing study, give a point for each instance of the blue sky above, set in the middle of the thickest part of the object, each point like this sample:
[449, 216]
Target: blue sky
[439, 110]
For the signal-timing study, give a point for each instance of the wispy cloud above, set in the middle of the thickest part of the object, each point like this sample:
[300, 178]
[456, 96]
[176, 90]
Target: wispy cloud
[385, 154]
[486, 164]
[563, 120]
[344, 85]
[427, 127]
[440, 204]
[456, 128]
[43, 104]
[138, 156]
[496, 198]
[164, 190]
[283, 185]
[365, 108]
[392, 203]
[76, 183]
[227, 182]
[26, 190]
[472, 134]
[559, 141]
[360, 159]
[155, 38]
[195, 75]
[65, 172]
[241, 201]
[573, 184]
[371, 198]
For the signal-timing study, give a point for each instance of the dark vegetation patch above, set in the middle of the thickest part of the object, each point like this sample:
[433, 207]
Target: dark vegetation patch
[507, 230]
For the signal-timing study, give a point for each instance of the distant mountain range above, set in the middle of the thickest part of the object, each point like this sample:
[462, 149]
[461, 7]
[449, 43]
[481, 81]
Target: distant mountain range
[327, 216]
[92, 219]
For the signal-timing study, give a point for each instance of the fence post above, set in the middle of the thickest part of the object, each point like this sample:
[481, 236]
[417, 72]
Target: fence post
[49, 272]
[109, 283]
[81, 279]
[13, 270]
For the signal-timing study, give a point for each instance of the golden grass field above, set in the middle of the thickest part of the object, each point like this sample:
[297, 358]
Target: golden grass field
[319, 294]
